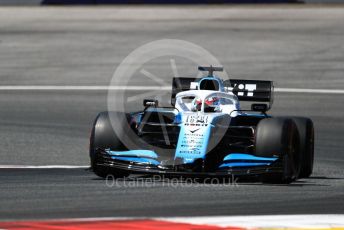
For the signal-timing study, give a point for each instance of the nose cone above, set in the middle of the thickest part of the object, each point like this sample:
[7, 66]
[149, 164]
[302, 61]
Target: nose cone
[193, 137]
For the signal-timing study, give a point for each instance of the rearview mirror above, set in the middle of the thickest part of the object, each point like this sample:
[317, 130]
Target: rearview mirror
[260, 107]
[150, 102]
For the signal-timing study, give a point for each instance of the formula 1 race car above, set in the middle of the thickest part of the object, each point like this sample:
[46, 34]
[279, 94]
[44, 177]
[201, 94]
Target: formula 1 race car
[205, 133]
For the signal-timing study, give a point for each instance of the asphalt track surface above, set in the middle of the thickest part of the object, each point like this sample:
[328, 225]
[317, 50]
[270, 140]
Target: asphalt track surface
[297, 47]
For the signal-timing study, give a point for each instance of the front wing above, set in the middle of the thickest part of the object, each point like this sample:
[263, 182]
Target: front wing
[234, 164]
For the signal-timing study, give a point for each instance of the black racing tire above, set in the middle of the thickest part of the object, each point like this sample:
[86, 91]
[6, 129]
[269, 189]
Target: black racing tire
[279, 137]
[306, 130]
[103, 136]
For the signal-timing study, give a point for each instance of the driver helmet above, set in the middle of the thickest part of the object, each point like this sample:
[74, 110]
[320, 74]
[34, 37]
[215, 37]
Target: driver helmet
[197, 104]
[212, 104]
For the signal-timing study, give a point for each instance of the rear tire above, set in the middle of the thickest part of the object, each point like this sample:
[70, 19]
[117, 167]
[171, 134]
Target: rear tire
[306, 130]
[103, 136]
[278, 137]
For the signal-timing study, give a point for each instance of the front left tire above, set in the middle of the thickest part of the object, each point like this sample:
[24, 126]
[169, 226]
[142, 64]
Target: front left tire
[104, 137]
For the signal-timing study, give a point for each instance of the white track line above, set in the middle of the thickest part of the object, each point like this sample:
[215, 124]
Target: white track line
[44, 166]
[322, 91]
[90, 88]
[146, 88]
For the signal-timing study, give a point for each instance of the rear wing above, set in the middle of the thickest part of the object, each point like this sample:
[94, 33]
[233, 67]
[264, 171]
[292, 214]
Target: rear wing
[251, 90]
[245, 90]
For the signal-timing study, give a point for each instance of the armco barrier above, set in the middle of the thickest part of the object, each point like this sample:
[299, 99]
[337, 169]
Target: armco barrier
[20, 2]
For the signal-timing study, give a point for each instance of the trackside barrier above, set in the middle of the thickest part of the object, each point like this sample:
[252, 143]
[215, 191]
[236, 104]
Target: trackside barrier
[77, 2]
[20, 2]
